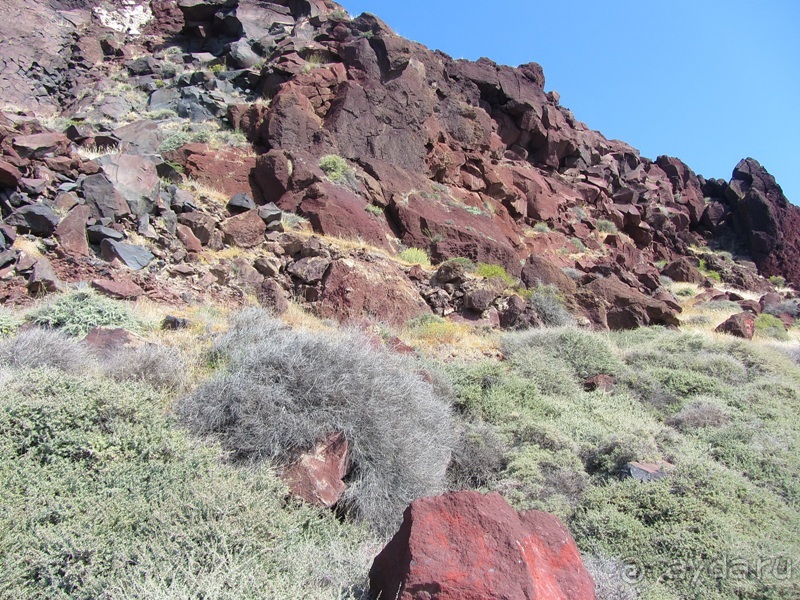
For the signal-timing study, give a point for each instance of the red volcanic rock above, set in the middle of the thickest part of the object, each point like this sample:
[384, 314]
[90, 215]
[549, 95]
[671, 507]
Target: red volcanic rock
[121, 290]
[38, 145]
[600, 382]
[354, 288]
[202, 225]
[684, 271]
[338, 212]
[245, 230]
[470, 546]
[9, 175]
[188, 239]
[71, 231]
[742, 325]
[539, 270]
[766, 221]
[225, 169]
[611, 303]
[316, 476]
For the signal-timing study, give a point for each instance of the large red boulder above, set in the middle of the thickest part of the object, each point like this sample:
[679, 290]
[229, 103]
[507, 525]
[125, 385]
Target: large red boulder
[741, 325]
[470, 546]
[225, 169]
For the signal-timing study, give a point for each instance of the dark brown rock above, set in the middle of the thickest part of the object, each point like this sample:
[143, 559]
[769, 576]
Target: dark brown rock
[245, 230]
[121, 290]
[539, 270]
[71, 231]
[741, 325]
[683, 270]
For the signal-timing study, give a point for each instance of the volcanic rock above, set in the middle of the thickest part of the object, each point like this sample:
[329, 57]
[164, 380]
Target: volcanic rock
[741, 325]
[245, 230]
[130, 255]
[316, 476]
[121, 290]
[469, 546]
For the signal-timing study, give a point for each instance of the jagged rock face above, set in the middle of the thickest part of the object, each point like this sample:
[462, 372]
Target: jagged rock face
[464, 159]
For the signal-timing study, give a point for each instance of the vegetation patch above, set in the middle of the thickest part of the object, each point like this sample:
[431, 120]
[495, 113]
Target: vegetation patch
[415, 256]
[337, 170]
[488, 271]
[76, 313]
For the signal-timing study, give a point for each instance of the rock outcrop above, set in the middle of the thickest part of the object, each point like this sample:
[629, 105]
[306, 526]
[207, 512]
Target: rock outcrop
[366, 136]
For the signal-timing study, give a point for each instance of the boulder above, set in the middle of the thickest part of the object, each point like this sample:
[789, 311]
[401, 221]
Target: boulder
[273, 297]
[71, 231]
[741, 325]
[539, 270]
[43, 278]
[134, 257]
[354, 289]
[612, 304]
[39, 145]
[135, 178]
[310, 269]
[471, 546]
[683, 270]
[98, 233]
[105, 341]
[316, 476]
[9, 175]
[240, 203]
[245, 230]
[202, 225]
[102, 198]
[121, 290]
[37, 219]
[225, 169]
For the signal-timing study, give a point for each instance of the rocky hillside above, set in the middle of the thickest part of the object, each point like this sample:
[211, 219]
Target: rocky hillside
[186, 149]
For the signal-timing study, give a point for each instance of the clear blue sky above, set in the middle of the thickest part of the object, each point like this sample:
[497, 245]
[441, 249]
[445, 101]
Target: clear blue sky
[708, 81]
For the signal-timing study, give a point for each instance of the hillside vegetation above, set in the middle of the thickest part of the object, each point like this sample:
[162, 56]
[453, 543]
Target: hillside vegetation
[108, 493]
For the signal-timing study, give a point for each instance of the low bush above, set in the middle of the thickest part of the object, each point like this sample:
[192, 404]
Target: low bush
[415, 256]
[777, 281]
[76, 313]
[488, 271]
[770, 326]
[284, 390]
[587, 354]
[700, 413]
[36, 347]
[158, 366]
[337, 170]
[787, 307]
[9, 322]
[548, 304]
[541, 227]
[468, 265]
[606, 226]
[103, 497]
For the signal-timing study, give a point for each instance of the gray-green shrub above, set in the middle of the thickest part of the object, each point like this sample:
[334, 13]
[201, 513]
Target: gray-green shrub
[76, 313]
[283, 390]
[34, 347]
[158, 366]
[547, 303]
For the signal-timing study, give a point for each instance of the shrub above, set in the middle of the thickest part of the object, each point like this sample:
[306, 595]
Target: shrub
[606, 226]
[432, 327]
[787, 307]
[155, 365]
[284, 390]
[777, 281]
[217, 68]
[34, 347]
[488, 271]
[771, 326]
[415, 256]
[373, 209]
[698, 414]
[478, 457]
[76, 313]
[572, 273]
[466, 263]
[546, 302]
[175, 141]
[541, 227]
[587, 354]
[104, 498]
[612, 581]
[9, 322]
[337, 170]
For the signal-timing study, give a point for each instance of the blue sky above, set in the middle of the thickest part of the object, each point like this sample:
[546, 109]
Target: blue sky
[708, 81]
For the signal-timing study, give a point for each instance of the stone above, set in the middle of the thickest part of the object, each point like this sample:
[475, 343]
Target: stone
[39, 145]
[273, 297]
[646, 472]
[121, 290]
[98, 233]
[471, 546]
[105, 341]
[240, 203]
[450, 272]
[612, 304]
[134, 257]
[9, 175]
[71, 231]
[135, 178]
[316, 476]
[480, 297]
[741, 325]
[245, 230]
[102, 198]
[310, 269]
[37, 219]
[353, 289]
[188, 238]
[682, 270]
[270, 213]
[202, 225]
[173, 323]
[43, 278]
[538, 270]
[226, 169]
